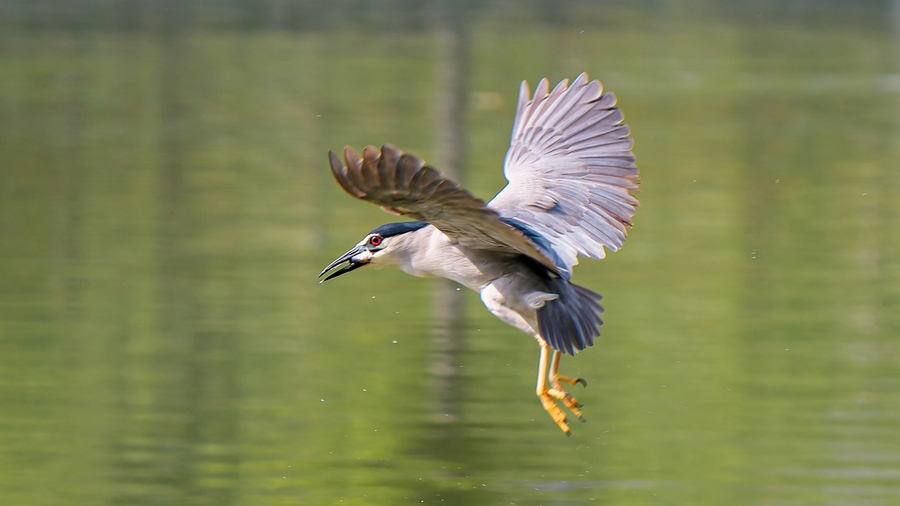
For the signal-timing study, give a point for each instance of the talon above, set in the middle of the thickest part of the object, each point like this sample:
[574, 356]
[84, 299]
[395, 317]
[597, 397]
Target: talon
[554, 411]
[579, 405]
[556, 378]
[556, 393]
[582, 419]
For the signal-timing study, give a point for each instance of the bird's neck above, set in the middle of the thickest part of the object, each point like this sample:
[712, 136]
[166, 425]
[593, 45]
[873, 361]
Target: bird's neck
[427, 252]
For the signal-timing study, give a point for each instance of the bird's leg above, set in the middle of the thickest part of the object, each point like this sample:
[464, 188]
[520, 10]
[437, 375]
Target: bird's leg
[546, 395]
[558, 392]
[555, 377]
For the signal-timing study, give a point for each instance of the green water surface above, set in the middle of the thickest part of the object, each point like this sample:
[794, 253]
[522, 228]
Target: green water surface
[166, 205]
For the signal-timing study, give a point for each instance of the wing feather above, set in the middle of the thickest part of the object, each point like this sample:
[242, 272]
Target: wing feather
[402, 184]
[570, 169]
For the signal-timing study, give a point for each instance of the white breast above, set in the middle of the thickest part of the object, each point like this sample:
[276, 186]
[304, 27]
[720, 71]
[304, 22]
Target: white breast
[435, 256]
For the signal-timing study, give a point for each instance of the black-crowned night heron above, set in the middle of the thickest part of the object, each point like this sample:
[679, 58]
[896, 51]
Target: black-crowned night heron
[570, 170]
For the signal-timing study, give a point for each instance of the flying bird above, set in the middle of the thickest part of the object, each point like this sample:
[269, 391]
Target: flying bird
[570, 172]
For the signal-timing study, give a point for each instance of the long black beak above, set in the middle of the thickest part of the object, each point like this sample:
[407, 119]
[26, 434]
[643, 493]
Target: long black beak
[346, 257]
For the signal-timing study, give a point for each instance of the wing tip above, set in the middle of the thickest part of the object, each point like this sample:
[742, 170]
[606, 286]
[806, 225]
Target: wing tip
[541, 90]
[370, 153]
[351, 157]
[341, 172]
[334, 161]
[391, 151]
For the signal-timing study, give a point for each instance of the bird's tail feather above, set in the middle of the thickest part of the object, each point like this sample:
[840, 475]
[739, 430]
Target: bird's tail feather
[569, 323]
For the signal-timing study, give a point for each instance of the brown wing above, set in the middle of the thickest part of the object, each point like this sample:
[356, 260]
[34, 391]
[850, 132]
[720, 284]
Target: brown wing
[402, 184]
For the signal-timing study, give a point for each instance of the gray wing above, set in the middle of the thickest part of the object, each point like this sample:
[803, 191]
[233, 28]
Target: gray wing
[570, 169]
[402, 184]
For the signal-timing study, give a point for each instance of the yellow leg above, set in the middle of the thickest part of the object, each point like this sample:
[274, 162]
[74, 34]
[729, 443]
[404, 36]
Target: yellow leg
[546, 395]
[558, 392]
[555, 377]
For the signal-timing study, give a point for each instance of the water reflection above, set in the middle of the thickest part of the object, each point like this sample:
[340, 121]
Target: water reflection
[166, 204]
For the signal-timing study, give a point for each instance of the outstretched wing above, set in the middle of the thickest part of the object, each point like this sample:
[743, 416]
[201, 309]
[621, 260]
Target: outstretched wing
[402, 184]
[570, 169]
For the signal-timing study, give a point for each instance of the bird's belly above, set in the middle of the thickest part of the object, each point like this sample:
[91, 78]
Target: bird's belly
[515, 299]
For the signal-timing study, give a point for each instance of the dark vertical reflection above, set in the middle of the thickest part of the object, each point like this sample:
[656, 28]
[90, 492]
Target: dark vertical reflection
[447, 329]
[155, 450]
[179, 445]
[70, 182]
[451, 445]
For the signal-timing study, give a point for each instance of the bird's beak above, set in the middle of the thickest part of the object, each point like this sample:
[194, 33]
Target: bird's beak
[355, 258]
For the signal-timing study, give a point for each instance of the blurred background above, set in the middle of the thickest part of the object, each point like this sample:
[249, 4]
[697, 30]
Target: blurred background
[166, 205]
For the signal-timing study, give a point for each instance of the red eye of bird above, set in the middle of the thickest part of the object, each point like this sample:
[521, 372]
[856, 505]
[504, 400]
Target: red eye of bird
[375, 240]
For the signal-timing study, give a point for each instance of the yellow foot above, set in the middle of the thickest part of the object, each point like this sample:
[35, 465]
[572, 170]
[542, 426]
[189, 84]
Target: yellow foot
[566, 379]
[556, 392]
[568, 401]
[553, 410]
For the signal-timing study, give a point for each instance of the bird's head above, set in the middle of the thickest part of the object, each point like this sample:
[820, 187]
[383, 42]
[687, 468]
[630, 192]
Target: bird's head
[377, 245]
